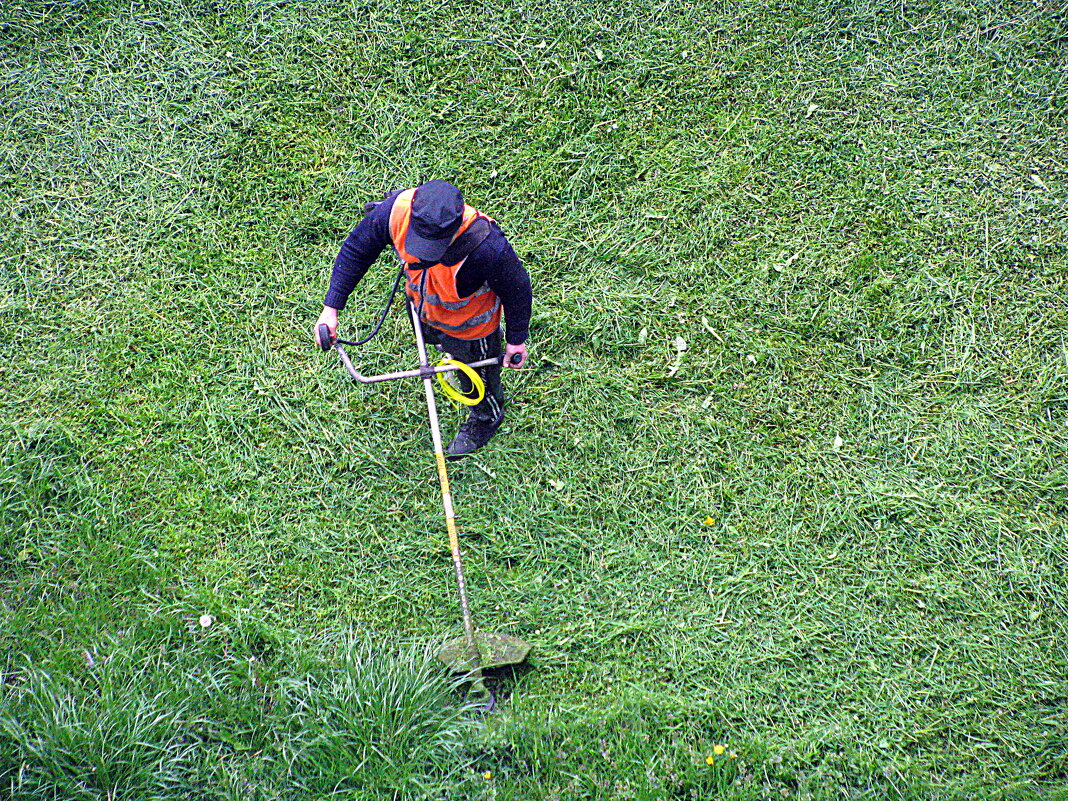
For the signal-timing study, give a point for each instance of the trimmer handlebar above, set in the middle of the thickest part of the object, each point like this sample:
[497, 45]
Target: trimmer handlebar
[326, 342]
[421, 372]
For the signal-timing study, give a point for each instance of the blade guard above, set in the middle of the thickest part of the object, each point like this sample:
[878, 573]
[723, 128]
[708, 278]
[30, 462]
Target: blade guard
[494, 650]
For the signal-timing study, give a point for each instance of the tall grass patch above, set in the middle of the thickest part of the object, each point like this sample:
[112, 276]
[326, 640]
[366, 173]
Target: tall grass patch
[202, 716]
[120, 734]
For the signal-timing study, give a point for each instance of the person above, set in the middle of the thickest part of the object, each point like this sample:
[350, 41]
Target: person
[461, 273]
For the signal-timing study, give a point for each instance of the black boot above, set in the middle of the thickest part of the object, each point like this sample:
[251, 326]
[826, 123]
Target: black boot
[473, 434]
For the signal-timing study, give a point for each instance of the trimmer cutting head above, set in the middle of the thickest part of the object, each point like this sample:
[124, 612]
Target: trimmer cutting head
[495, 650]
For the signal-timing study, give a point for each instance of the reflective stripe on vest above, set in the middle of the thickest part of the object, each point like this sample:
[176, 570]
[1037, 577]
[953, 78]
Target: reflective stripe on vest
[473, 317]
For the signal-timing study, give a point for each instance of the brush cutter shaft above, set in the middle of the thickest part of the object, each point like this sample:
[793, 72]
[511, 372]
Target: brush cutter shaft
[426, 372]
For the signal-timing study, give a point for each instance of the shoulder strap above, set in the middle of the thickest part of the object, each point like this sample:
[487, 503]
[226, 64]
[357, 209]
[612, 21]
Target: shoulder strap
[369, 207]
[465, 243]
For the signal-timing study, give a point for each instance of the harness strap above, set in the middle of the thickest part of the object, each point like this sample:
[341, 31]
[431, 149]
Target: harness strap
[465, 244]
[374, 204]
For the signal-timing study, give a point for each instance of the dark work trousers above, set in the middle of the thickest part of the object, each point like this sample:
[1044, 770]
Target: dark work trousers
[491, 407]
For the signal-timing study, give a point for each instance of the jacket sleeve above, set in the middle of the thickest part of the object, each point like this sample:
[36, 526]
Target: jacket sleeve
[359, 251]
[511, 282]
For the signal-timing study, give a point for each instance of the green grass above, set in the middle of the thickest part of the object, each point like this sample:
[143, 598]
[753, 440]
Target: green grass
[197, 714]
[799, 268]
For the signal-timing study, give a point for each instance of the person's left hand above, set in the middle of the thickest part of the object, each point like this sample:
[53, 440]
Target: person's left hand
[509, 354]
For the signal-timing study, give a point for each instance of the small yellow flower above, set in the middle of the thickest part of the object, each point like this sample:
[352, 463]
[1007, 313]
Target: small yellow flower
[710, 521]
[718, 750]
[487, 775]
[709, 760]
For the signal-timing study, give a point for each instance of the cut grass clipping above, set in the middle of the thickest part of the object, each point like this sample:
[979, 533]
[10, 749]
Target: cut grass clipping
[786, 479]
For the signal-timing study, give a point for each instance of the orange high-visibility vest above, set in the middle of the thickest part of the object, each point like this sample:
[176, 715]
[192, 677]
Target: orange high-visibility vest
[434, 290]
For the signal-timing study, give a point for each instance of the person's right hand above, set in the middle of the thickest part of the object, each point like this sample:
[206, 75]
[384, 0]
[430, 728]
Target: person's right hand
[329, 319]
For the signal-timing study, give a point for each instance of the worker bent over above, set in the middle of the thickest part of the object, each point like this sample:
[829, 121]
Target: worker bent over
[461, 273]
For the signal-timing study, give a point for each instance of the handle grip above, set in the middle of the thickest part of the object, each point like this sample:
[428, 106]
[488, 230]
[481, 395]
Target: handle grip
[516, 358]
[323, 335]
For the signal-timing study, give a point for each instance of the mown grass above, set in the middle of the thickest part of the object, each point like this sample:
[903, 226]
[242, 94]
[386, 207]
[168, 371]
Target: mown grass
[800, 272]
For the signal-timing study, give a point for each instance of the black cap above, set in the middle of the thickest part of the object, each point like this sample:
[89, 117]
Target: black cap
[437, 211]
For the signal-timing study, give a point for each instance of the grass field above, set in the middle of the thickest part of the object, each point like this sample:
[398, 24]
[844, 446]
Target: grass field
[781, 506]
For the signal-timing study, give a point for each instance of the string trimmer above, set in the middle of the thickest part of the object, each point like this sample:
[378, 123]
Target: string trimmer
[475, 651]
